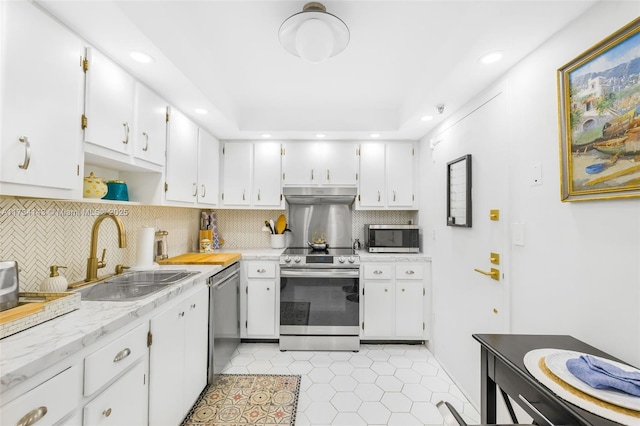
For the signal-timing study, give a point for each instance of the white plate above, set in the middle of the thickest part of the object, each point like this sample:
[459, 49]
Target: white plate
[557, 363]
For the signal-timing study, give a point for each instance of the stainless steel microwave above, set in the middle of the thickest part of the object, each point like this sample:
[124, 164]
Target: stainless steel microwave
[392, 238]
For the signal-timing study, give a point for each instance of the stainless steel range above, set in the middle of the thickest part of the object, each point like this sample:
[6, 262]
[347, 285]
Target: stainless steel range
[319, 303]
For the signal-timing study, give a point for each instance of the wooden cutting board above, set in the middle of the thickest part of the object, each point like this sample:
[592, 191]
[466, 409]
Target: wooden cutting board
[223, 259]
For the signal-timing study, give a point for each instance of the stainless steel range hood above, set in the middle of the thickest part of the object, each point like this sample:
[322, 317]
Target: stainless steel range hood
[313, 195]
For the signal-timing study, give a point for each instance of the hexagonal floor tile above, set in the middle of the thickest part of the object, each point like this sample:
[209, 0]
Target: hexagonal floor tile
[407, 375]
[389, 383]
[416, 392]
[364, 375]
[396, 402]
[400, 361]
[320, 392]
[435, 384]
[426, 412]
[321, 375]
[374, 413]
[320, 413]
[342, 368]
[368, 392]
[344, 383]
[403, 419]
[321, 360]
[348, 419]
[383, 368]
[378, 355]
[346, 402]
[360, 361]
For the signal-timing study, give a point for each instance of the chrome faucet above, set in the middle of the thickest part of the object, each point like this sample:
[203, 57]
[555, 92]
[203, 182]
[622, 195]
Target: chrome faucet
[93, 264]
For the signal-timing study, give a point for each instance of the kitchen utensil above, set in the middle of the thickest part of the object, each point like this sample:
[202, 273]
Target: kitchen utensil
[9, 285]
[318, 241]
[281, 224]
[94, 187]
[268, 225]
[273, 226]
[117, 190]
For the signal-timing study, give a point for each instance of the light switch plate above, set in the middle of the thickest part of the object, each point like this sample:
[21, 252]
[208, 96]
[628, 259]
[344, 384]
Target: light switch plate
[535, 174]
[518, 234]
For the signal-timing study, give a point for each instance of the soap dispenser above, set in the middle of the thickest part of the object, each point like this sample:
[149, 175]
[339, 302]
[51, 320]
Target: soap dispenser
[54, 283]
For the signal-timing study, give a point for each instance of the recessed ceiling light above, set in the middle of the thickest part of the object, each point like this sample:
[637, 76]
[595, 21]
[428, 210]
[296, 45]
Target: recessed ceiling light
[266, 135]
[201, 111]
[426, 117]
[374, 135]
[141, 57]
[492, 57]
[320, 135]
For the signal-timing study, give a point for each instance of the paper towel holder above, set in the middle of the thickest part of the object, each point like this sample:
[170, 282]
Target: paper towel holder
[161, 245]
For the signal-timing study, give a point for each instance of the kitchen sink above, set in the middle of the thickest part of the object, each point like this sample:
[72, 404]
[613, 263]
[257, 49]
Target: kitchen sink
[133, 285]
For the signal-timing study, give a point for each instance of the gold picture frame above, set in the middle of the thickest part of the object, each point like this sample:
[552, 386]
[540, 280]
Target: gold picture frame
[599, 119]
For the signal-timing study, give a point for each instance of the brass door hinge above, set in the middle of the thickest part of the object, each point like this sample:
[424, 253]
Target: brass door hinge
[363, 325]
[281, 151]
[85, 64]
[83, 121]
[167, 117]
[166, 187]
[222, 149]
[358, 197]
[423, 326]
[282, 176]
[357, 151]
[280, 197]
[356, 176]
[424, 292]
[413, 152]
[223, 196]
[77, 169]
[149, 339]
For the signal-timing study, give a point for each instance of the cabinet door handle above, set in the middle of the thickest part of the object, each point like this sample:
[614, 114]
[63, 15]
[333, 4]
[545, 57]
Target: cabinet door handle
[181, 314]
[328, 175]
[122, 355]
[403, 289]
[193, 306]
[312, 175]
[126, 133]
[243, 194]
[27, 152]
[258, 194]
[386, 290]
[409, 272]
[377, 272]
[267, 288]
[394, 195]
[146, 141]
[378, 196]
[261, 271]
[195, 189]
[204, 191]
[107, 412]
[32, 417]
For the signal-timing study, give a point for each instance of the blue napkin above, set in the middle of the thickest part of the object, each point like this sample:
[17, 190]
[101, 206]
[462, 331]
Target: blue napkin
[601, 375]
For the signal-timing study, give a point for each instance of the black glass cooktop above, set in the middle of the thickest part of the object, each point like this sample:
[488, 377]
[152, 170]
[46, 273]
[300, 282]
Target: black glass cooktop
[307, 251]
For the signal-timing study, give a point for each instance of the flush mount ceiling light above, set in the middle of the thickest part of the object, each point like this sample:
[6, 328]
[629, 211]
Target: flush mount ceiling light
[492, 57]
[313, 34]
[143, 58]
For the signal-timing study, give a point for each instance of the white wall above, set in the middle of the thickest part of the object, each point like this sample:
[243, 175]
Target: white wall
[578, 271]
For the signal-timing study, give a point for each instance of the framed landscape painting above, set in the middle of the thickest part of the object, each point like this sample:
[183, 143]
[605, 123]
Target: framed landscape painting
[599, 102]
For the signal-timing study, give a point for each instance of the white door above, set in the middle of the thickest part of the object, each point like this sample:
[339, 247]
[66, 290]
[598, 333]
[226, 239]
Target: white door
[267, 171]
[150, 134]
[41, 99]
[208, 168]
[237, 174]
[182, 152]
[378, 309]
[400, 174]
[196, 343]
[109, 104]
[464, 301]
[298, 163]
[408, 308]
[340, 163]
[261, 308]
[372, 174]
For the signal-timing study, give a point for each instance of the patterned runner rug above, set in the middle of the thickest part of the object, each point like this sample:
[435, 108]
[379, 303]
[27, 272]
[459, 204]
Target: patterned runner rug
[247, 399]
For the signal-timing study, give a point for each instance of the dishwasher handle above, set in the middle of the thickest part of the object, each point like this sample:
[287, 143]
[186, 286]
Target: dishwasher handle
[219, 284]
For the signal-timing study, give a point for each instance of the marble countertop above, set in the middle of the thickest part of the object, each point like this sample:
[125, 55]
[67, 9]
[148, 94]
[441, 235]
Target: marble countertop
[28, 352]
[365, 256]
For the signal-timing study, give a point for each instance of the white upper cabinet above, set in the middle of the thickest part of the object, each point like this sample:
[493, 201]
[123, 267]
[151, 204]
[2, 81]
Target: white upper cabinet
[320, 163]
[40, 104]
[150, 129]
[182, 152]
[387, 176]
[251, 175]
[109, 105]
[208, 168]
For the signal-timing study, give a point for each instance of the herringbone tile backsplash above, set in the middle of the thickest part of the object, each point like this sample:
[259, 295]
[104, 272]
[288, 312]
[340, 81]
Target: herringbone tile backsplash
[39, 233]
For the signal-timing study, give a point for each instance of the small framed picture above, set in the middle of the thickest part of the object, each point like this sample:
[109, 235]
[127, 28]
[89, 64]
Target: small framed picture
[459, 192]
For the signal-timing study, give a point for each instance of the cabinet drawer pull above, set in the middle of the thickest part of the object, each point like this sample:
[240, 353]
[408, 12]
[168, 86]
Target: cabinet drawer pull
[409, 272]
[243, 195]
[107, 412]
[181, 314]
[195, 189]
[394, 195]
[328, 176]
[386, 290]
[204, 191]
[32, 417]
[403, 289]
[268, 289]
[378, 196]
[126, 133]
[258, 194]
[27, 152]
[261, 271]
[377, 272]
[311, 175]
[193, 306]
[122, 355]
[146, 141]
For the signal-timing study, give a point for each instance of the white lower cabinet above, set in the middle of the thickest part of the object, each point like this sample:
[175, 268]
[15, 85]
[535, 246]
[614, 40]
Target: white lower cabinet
[122, 403]
[260, 299]
[47, 403]
[178, 357]
[393, 303]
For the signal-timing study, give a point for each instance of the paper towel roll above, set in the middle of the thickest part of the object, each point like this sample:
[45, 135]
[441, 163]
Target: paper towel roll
[144, 247]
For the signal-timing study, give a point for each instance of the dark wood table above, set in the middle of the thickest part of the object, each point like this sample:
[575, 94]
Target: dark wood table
[502, 364]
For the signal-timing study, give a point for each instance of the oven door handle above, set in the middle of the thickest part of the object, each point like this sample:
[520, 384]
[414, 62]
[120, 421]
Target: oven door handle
[320, 273]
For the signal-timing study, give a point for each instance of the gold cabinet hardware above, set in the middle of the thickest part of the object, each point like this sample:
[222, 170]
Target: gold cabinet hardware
[494, 274]
[495, 311]
[495, 258]
[494, 214]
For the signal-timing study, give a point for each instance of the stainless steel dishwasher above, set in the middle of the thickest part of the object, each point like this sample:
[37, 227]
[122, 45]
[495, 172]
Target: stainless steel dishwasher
[224, 318]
